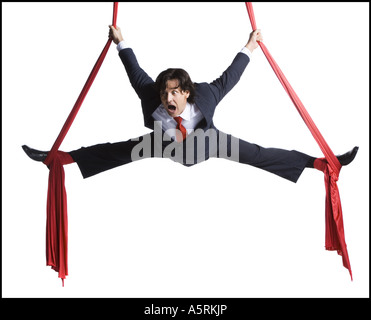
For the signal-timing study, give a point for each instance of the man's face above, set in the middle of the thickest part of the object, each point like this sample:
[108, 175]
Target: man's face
[174, 99]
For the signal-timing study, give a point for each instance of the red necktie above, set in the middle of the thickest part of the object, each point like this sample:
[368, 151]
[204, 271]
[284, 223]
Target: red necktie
[181, 128]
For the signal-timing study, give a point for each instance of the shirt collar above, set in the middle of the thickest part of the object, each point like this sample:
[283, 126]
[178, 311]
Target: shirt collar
[186, 114]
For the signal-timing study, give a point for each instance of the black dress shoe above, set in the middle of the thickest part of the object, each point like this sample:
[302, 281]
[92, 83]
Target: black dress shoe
[348, 157]
[35, 154]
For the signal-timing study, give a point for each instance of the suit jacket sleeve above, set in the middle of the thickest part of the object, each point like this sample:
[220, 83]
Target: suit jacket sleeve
[208, 95]
[142, 84]
[230, 77]
[139, 79]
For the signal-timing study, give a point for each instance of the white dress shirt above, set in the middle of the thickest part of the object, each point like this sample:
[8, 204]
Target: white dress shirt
[191, 114]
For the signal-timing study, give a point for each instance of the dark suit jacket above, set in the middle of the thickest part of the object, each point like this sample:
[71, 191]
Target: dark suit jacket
[207, 96]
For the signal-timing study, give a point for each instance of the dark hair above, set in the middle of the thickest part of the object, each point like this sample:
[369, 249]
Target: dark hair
[184, 81]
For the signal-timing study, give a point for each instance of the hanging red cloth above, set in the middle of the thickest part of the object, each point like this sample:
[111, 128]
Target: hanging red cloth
[335, 239]
[56, 212]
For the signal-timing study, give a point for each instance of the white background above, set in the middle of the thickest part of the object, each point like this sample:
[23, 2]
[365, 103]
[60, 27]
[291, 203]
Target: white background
[237, 231]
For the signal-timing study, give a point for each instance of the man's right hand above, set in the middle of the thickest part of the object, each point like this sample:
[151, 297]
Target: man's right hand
[115, 34]
[255, 37]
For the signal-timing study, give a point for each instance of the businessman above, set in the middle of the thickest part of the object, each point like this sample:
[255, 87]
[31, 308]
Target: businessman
[180, 114]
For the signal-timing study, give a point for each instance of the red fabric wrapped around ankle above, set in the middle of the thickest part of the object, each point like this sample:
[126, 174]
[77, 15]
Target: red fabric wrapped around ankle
[320, 164]
[65, 157]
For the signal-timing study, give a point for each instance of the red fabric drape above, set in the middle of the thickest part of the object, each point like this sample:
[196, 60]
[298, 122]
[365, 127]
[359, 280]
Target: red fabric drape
[335, 239]
[56, 212]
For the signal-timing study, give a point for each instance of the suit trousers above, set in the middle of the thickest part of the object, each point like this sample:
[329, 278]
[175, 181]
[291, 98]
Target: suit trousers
[101, 157]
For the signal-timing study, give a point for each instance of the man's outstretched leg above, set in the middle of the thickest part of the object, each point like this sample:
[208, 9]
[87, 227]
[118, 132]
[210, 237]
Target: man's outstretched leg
[284, 163]
[101, 157]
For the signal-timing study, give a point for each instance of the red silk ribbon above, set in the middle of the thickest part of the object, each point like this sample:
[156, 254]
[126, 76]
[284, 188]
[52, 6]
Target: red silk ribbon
[335, 239]
[56, 212]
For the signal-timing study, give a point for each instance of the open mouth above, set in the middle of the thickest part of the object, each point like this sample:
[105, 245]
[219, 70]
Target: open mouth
[171, 110]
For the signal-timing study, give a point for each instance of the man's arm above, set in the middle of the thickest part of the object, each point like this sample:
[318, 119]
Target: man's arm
[230, 77]
[139, 79]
